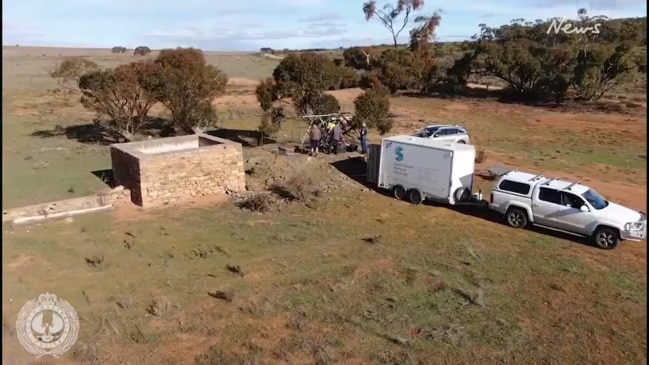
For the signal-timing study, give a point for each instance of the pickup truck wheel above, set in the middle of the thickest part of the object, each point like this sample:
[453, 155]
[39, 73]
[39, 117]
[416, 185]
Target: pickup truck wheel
[606, 238]
[414, 196]
[461, 142]
[399, 192]
[516, 218]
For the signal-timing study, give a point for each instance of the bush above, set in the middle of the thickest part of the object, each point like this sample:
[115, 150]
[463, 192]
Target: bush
[369, 80]
[260, 203]
[271, 122]
[266, 93]
[348, 78]
[373, 108]
[300, 187]
[325, 104]
[86, 353]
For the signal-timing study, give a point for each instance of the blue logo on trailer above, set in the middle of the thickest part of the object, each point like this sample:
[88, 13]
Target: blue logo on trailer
[398, 153]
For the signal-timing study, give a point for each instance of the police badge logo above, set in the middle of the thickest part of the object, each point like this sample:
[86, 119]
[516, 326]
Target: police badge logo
[47, 326]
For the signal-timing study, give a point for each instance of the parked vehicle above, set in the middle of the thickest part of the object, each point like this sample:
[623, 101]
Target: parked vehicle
[417, 168]
[525, 198]
[448, 133]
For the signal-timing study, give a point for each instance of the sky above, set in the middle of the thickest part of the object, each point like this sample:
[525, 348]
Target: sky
[248, 25]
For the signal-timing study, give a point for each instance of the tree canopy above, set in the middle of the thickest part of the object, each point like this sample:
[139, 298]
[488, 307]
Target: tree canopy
[122, 97]
[541, 60]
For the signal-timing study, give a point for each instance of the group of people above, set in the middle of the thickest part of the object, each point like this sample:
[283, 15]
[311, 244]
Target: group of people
[335, 132]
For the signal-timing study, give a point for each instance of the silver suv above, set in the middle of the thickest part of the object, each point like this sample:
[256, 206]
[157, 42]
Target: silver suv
[443, 132]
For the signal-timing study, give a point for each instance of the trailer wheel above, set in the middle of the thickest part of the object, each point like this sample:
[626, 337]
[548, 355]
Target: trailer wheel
[415, 197]
[462, 194]
[399, 192]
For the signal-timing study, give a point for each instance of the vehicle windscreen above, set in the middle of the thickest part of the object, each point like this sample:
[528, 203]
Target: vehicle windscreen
[595, 199]
[426, 132]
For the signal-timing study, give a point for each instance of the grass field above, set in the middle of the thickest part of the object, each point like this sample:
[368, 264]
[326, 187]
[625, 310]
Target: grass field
[433, 285]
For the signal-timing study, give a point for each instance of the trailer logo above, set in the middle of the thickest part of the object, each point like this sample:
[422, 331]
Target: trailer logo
[398, 154]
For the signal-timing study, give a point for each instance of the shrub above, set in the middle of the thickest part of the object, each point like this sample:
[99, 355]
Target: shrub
[373, 108]
[299, 187]
[260, 203]
[348, 78]
[325, 104]
[369, 80]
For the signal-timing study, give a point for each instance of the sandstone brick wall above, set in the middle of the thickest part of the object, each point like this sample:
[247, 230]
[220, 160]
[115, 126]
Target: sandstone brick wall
[192, 173]
[211, 168]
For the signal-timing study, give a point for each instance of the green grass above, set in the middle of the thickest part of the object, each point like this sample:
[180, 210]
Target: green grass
[437, 285]
[518, 132]
[402, 299]
[28, 70]
[38, 170]
[32, 165]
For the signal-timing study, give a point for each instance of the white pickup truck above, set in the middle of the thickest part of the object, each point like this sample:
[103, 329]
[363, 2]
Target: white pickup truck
[524, 198]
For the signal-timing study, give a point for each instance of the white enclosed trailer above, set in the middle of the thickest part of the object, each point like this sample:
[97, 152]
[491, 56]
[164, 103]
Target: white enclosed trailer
[419, 168]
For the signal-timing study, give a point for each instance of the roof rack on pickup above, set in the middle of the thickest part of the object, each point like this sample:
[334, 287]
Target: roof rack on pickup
[535, 177]
[550, 180]
[571, 185]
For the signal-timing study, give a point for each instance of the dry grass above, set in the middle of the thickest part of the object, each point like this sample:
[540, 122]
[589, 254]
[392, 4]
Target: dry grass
[87, 353]
[480, 155]
[301, 187]
[361, 279]
[259, 202]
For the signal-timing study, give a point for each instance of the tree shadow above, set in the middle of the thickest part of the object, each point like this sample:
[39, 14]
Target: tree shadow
[486, 214]
[95, 133]
[247, 137]
[498, 95]
[106, 176]
[157, 127]
[85, 133]
[505, 96]
[282, 192]
[355, 168]
[466, 93]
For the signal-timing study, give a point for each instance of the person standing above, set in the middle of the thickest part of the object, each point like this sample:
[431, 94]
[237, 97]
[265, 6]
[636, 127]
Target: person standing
[336, 136]
[364, 139]
[314, 136]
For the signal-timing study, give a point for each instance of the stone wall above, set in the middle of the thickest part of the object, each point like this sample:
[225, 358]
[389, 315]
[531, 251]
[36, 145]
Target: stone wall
[177, 168]
[107, 197]
[126, 171]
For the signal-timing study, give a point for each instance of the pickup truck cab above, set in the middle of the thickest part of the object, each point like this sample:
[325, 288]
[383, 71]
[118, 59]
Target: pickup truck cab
[524, 198]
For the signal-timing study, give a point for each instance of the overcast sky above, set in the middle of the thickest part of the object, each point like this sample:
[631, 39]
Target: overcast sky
[248, 25]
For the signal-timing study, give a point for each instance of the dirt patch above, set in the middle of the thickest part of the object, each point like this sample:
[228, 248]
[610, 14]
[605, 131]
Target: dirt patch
[631, 195]
[18, 262]
[242, 82]
[272, 56]
[127, 212]
[234, 101]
